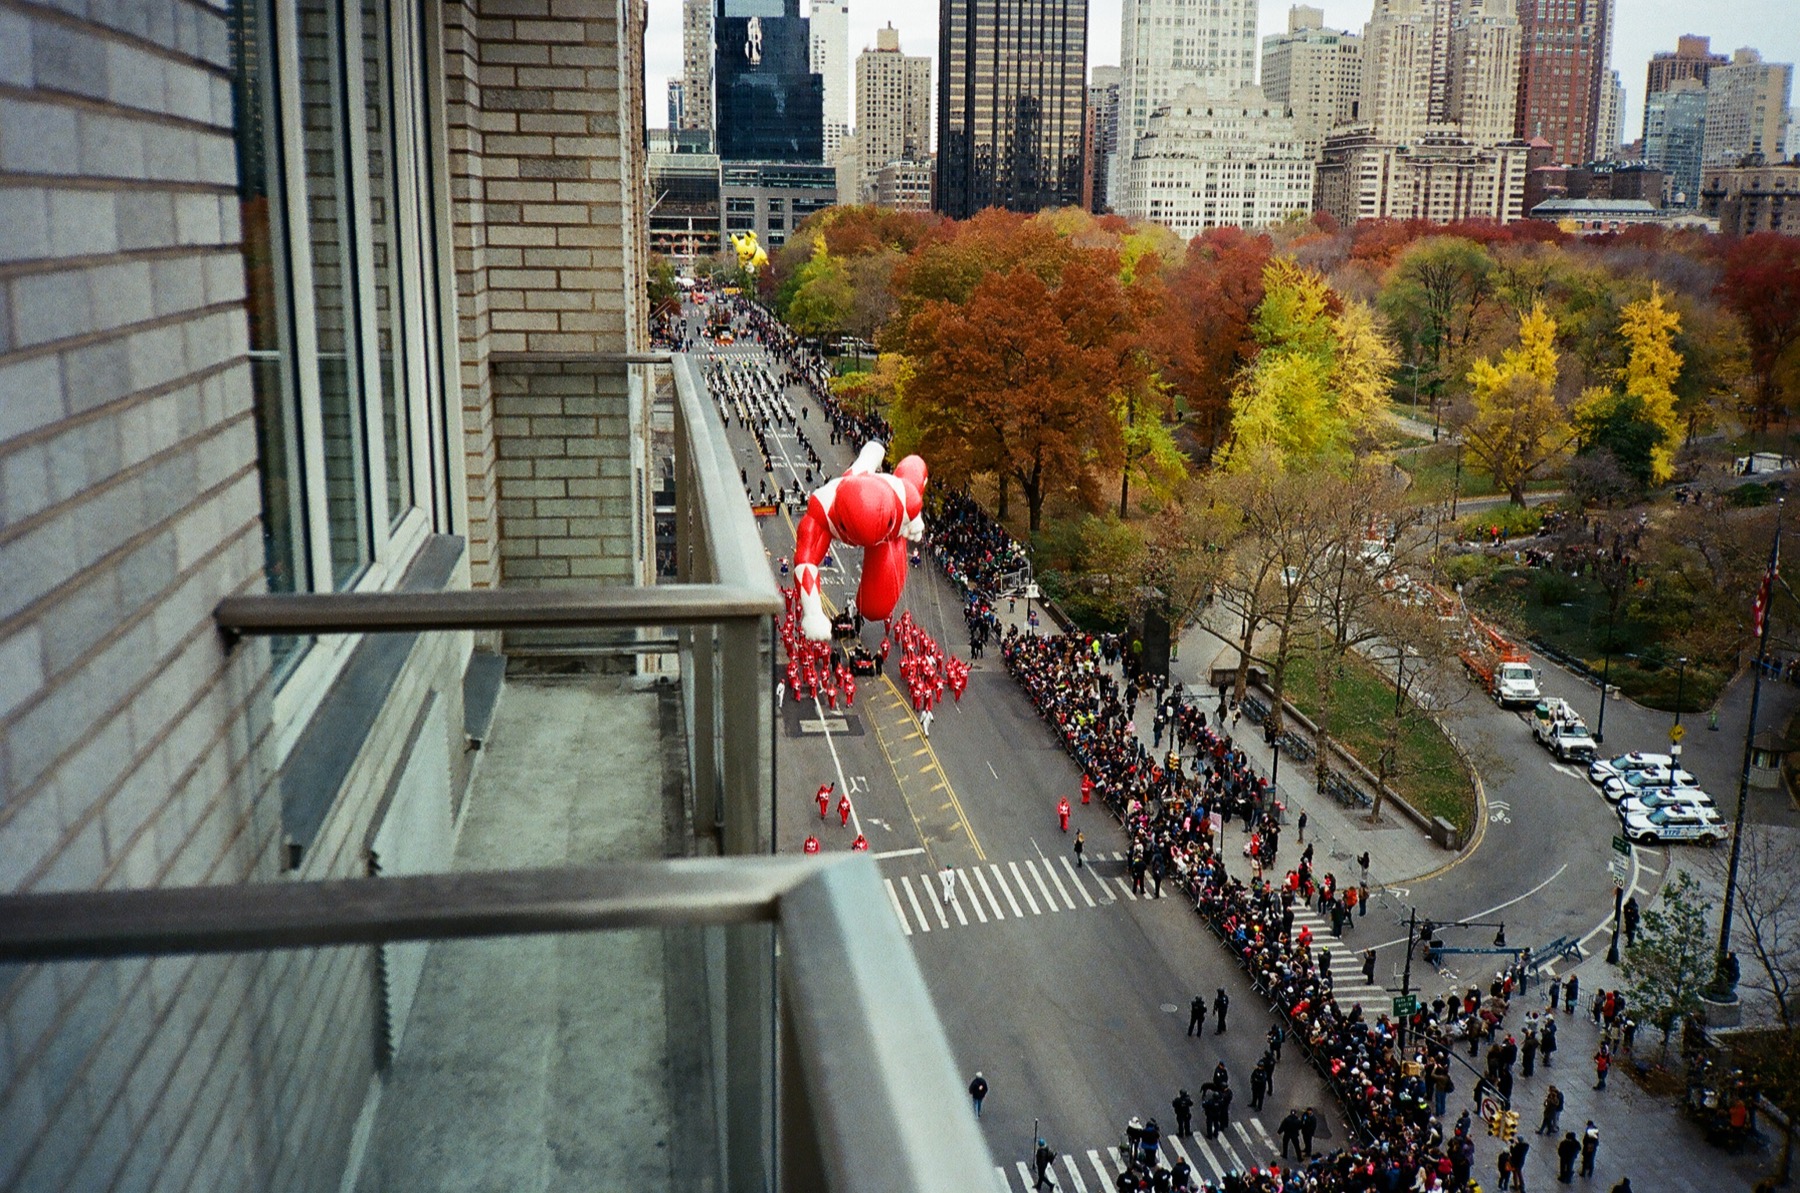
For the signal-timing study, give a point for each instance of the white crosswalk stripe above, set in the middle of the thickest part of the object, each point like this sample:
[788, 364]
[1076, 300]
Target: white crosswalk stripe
[1075, 878]
[1039, 879]
[1207, 1159]
[1005, 890]
[1030, 899]
[918, 911]
[989, 892]
[1034, 886]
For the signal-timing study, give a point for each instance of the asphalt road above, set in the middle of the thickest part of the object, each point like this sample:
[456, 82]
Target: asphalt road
[1069, 994]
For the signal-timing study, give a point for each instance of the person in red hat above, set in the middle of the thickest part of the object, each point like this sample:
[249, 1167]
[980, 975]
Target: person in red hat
[1062, 812]
[1087, 787]
[860, 845]
[844, 810]
[824, 798]
[811, 846]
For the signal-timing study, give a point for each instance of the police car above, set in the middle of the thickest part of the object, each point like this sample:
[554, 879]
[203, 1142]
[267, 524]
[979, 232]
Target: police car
[1648, 779]
[1667, 797]
[1602, 769]
[1675, 824]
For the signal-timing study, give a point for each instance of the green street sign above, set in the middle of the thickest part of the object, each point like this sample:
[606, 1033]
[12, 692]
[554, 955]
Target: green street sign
[1405, 1004]
[1621, 845]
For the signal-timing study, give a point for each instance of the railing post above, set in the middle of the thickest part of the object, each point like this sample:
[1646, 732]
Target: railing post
[746, 796]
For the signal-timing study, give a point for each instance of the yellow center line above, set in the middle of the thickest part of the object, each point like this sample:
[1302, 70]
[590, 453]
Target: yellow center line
[902, 703]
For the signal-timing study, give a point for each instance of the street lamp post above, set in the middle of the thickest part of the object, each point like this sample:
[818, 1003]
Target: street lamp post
[1612, 618]
[1680, 679]
[1456, 489]
[1612, 950]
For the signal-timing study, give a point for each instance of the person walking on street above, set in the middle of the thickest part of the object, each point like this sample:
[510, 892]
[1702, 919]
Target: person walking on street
[1547, 1044]
[1528, 1054]
[949, 880]
[1520, 1149]
[1602, 1062]
[1080, 846]
[1553, 1104]
[1309, 1125]
[1197, 1015]
[978, 1090]
[1571, 991]
[1259, 1086]
[1590, 1145]
[1290, 1134]
[1044, 1158]
[1631, 917]
[1302, 824]
[1062, 813]
[1221, 1004]
[1184, 1114]
[1503, 1165]
[1566, 1153]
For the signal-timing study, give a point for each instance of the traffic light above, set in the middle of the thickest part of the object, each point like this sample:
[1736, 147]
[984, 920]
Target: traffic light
[1494, 1121]
[1509, 1125]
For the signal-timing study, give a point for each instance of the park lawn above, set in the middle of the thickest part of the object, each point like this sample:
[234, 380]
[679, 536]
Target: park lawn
[1432, 776]
[1568, 614]
[1433, 472]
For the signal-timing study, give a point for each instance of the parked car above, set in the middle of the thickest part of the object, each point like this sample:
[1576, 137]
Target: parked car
[1667, 797]
[1606, 768]
[1675, 824]
[1648, 779]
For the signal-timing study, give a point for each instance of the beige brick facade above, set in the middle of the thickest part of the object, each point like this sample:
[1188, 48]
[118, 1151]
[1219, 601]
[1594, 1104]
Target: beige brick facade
[139, 453]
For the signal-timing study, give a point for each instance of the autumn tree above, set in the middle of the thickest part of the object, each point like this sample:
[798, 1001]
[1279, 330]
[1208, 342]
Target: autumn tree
[1642, 410]
[821, 297]
[1514, 424]
[1320, 378]
[1202, 340]
[1433, 300]
[1016, 380]
[1762, 285]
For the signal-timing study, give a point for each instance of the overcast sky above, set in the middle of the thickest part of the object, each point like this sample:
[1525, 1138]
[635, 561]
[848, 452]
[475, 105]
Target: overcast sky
[1641, 27]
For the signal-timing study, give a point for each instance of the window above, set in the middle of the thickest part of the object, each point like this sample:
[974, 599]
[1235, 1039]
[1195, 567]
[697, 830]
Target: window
[338, 197]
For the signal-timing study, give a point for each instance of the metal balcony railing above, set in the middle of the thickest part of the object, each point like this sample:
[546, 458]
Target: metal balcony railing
[838, 1073]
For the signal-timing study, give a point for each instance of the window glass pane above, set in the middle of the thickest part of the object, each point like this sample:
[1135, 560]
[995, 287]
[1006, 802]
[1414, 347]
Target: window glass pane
[324, 138]
[266, 281]
[384, 256]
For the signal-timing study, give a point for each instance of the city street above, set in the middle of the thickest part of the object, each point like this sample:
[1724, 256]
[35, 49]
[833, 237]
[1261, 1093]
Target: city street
[1070, 994]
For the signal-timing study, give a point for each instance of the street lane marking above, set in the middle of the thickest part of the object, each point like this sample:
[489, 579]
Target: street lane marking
[916, 849]
[1225, 1146]
[1075, 1175]
[1023, 889]
[1057, 879]
[1025, 1174]
[1079, 885]
[1175, 1142]
[974, 899]
[914, 900]
[1039, 879]
[1105, 1176]
[1006, 890]
[1249, 1144]
[1212, 1161]
[989, 892]
[894, 898]
[1267, 1142]
[1125, 886]
[1112, 1153]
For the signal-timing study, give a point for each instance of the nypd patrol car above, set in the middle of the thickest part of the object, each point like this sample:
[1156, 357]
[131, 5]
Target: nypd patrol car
[1691, 823]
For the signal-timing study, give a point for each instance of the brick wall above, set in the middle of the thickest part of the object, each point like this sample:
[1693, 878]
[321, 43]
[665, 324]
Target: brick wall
[564, 434]
[133, 747]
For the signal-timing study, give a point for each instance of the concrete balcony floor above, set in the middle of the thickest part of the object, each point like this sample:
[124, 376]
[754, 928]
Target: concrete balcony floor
[571, 1062]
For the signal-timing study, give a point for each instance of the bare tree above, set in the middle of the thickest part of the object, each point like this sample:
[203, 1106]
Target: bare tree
[1767, 927]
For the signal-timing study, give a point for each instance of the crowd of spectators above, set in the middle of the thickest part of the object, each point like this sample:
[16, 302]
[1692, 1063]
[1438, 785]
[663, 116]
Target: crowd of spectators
[1176, 811]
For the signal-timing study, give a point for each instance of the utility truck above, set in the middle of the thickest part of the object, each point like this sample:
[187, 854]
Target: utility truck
[1503, 668]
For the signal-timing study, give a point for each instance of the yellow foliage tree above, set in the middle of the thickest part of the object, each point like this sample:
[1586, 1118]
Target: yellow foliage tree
[1516, 425]
[1366, 360]
[1648, 327]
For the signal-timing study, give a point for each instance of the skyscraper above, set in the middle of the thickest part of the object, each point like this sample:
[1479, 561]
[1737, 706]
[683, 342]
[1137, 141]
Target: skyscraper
[1692, 59]
[1102, 136]
[1563, 73]
[677, 104]
[697, 64]
[1746, 109]
[1010, 97]
[1168, 45]
[1397, 68]
[830, 60]
[1612, 116]
[1479, 72]
[893, 106]
[770, 103]
[1314, 72]
[1674, 128]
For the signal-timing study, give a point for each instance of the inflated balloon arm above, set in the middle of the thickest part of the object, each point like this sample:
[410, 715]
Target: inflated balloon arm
[812, 539]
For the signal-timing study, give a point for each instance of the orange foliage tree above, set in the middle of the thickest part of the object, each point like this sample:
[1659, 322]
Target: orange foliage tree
[1762, 285]
[1201, 341]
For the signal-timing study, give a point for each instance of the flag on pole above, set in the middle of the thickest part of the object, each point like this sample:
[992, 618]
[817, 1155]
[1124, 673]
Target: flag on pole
[1766, 590]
